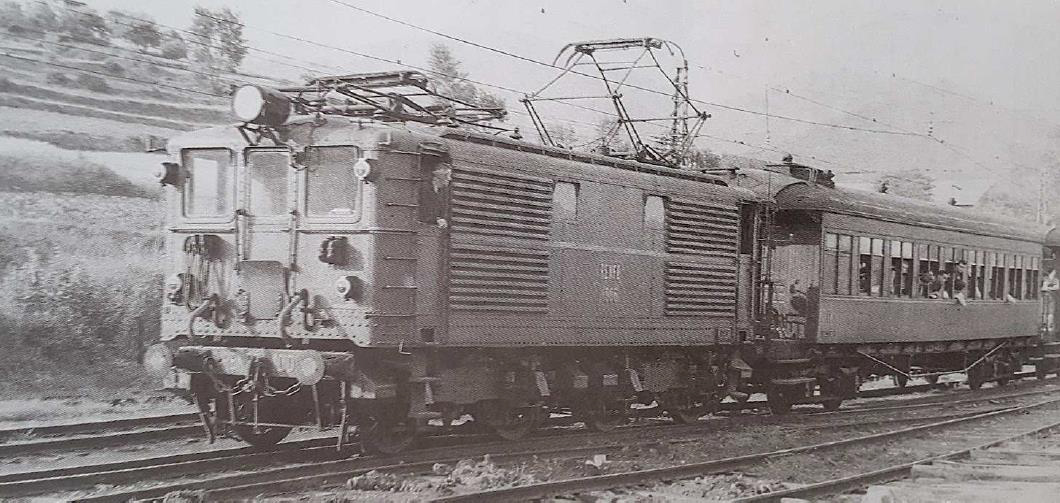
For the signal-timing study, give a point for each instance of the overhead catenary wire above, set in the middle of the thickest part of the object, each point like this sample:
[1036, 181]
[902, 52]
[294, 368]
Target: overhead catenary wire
[399, 63]
[595, 77]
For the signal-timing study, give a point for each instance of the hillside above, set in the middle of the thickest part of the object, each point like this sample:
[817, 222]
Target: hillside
[80, 219]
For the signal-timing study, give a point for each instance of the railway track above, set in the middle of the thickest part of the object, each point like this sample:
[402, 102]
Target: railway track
[169, 466]
[634, 478]
[266, 477]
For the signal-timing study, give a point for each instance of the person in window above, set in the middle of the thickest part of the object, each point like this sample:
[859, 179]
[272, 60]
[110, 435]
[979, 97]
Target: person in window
[937, 289]
[959, 282]
[1050, 294]
[927, 278]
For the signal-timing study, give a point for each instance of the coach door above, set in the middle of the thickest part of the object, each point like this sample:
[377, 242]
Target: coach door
[264, 230]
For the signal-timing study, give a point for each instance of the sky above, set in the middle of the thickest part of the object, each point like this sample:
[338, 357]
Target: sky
[970, 85]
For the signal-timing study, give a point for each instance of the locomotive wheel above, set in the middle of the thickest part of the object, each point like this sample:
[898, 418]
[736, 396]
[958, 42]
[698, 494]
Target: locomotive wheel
[686, 408]
[779, 402]
[604, 415]
[387, 437]
[259, 436]
[263, 437]
[507, 422]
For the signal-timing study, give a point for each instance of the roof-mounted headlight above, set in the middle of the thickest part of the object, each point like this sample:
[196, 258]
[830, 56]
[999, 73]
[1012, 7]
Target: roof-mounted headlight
[261, 105]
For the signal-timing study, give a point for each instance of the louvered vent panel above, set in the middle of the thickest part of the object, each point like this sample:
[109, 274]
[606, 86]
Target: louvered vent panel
[700, 289]
[495, 278]
[501, 204]
[697, 228]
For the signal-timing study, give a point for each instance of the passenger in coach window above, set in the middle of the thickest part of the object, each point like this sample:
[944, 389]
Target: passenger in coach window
[939, 286]
[1050, 289]
[959, 282]
[927, 279]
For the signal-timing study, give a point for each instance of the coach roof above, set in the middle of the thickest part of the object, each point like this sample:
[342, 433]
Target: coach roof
[806, 196]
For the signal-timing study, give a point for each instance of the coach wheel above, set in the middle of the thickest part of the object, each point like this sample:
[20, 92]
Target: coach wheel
[506, 421]
[901, 380]
[604, 414]
[932, 379]
[386, 436]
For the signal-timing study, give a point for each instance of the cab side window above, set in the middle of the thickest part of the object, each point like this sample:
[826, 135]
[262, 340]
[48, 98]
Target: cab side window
[565, 202]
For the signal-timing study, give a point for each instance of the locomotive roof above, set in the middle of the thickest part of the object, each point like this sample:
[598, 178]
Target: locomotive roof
[335, 130]
[793, 193]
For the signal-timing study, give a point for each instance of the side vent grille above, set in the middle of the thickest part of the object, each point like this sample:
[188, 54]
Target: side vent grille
[700, 290]
[697, 228]
[509, 205]
[494, 278]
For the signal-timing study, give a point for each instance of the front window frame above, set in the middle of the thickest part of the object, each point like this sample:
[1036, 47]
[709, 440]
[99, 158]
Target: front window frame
[233, 188]
[304, 194]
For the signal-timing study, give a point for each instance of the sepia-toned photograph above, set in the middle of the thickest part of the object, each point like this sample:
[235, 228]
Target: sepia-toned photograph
[606, 251]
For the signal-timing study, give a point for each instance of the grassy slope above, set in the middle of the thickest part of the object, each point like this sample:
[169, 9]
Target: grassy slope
[80, 243]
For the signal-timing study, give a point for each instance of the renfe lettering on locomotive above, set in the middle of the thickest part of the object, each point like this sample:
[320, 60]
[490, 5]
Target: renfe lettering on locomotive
[372, 268]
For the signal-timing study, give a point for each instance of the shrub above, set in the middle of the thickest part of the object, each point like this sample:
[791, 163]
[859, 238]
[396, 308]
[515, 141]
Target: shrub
[114, 68]
[59, 78]
[27, 174]
[93, 83]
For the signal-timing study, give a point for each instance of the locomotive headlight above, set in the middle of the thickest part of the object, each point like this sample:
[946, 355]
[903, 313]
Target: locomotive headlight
[348, 287]
[158, 360]
[308, 368]
[261, 105]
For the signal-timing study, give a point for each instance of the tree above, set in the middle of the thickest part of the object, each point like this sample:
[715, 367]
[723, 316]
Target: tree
[562, 134]
[220, 38]
[906, 183]
[85, 25]
[703, 159]
[612, 136]
[43, 18]
[450, 80]
[173, 46]
[143, 34]
[11, 14]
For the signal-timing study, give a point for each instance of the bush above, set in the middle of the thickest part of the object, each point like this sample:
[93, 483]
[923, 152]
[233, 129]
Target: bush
[59, 78]
[114, 68]
[27, 174]
[93, 83]
[174, 49]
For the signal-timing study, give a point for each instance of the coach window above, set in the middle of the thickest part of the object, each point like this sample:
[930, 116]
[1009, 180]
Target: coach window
[565, 202]
[997, 276]
[1032, 279]
[1016, 271]
[843, 276]
[901, 268]
[973, 274]
[870, 266]
[333, 188]
[947, 262]
[209, 189]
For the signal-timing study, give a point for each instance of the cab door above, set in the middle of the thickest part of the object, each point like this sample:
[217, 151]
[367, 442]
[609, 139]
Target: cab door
[264, 231]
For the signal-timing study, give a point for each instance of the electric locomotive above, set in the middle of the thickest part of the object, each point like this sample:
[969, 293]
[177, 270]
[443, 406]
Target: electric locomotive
[368, 266]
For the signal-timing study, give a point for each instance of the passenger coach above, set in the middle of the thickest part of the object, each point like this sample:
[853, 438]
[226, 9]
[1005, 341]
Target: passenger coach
[882, 284]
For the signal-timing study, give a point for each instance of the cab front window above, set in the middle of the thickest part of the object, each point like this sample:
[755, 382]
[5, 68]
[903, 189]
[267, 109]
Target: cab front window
[333, 188]
[208, 189]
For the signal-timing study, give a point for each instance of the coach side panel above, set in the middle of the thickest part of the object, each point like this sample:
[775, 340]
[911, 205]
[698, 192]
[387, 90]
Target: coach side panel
[881, 298]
